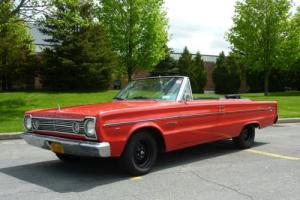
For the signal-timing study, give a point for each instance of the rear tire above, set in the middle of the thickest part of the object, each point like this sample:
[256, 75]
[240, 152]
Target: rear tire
[246, 138]
[140, 154]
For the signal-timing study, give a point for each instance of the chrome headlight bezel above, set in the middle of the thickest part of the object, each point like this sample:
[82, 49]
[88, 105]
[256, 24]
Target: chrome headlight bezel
[90, 127]
[76, 127]
[27, 122]
[35, 124]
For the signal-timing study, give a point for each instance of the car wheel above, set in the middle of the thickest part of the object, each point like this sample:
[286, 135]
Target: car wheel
[246, 138]
[66, 158]
[140, 154]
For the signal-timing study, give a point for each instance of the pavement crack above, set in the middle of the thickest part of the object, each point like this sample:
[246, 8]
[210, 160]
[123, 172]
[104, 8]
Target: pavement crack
[223, 186]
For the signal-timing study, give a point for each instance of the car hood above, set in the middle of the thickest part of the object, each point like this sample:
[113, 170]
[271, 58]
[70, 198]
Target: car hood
[95, 109]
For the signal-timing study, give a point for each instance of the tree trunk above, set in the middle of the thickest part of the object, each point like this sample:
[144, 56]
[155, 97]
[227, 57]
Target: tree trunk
[129, 72]
[3, 83]
[130, 43]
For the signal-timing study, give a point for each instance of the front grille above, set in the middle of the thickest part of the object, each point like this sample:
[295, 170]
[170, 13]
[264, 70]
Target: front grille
[58, 125]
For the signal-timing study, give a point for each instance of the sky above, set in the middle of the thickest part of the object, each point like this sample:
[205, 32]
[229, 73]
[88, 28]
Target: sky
[200, 24]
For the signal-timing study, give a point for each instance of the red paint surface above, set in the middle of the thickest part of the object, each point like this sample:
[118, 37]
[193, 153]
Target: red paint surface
[221, 119]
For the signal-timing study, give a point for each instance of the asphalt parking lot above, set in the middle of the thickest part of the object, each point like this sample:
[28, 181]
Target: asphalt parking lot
[270, 170]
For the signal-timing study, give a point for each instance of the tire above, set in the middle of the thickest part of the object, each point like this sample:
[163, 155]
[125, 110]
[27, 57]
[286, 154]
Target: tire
[140, 154]
[66, 158]
[246, 138]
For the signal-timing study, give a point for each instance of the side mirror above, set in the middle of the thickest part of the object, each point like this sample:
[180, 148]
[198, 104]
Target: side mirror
[186, 97]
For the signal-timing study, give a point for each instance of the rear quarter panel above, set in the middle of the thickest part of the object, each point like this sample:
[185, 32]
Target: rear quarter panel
[237, 115]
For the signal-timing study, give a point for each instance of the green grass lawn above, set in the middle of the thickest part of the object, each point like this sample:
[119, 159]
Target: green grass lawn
[14, 104]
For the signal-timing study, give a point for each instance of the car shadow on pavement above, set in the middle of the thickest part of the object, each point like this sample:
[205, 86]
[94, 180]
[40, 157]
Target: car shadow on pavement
[87, 174]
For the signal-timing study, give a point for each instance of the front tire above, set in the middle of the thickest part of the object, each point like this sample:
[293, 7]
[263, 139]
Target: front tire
[246, 138]
[140, 154]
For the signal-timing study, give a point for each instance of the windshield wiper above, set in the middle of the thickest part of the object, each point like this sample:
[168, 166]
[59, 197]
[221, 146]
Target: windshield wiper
[118, 98]
[140, 97]
[144, 98]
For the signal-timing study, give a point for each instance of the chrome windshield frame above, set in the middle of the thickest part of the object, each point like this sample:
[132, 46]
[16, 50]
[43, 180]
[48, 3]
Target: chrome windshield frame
[180, 95]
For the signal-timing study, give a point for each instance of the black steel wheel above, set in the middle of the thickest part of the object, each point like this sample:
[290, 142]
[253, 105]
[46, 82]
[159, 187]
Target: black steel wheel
[246, 138]
[140, 154]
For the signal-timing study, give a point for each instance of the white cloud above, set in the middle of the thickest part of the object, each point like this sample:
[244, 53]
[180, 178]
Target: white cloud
[200, 24]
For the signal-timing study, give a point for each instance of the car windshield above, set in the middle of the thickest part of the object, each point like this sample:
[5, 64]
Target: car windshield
[162, 88]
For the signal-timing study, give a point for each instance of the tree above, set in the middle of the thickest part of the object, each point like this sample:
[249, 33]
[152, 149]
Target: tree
[226, 75]
[137, 30]
[166, 67]
[185, 63]
[194, 69]
[199, 75]
[16, 48]
[26, 10]
[294, 50]
[80, 56]
[259, 32]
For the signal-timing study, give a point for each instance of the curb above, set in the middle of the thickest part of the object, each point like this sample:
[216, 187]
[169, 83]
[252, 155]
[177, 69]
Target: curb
[17, 135]
[10, 136]
[288, 120]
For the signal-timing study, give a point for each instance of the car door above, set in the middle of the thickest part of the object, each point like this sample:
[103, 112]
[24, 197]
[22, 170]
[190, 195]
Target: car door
[197, 120]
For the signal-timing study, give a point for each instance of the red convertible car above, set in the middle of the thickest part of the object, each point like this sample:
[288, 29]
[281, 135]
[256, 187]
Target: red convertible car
[149, 116]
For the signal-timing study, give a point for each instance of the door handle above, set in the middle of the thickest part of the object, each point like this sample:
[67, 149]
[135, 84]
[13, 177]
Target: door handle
[221, 108]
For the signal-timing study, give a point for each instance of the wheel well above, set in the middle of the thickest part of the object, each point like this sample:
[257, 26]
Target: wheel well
[255, 125]
[156, 134]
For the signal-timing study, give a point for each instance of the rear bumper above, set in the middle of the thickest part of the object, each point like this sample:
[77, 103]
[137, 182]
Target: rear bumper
[70, 146]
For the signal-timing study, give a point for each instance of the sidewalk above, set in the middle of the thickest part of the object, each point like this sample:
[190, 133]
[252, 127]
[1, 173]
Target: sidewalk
[17, 135]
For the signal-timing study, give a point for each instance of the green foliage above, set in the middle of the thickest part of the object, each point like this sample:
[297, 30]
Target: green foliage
[80, 57]
[137, 30]
[185, 63]
[294, 74]
[166, 67]
[27, 10]
[293, 51]
[279, 79]
[291, 45]
[194, 69]
[16, 48]
[198, 75]
[226, 75]
[259, 33]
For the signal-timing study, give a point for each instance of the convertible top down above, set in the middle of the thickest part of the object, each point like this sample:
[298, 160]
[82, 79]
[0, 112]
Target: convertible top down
[149, 116]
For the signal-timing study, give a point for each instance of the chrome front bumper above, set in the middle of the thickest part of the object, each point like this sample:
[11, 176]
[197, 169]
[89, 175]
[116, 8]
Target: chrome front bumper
[70, 146]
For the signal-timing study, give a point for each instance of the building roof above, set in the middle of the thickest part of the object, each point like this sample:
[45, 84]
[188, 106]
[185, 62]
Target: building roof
[205, 57]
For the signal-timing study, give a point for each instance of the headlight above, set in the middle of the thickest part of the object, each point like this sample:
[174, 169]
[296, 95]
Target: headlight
[27, 122]
[90, 127]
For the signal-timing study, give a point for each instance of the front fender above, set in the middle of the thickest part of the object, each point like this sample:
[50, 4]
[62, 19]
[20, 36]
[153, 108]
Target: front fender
[139, 126]
[119, 136]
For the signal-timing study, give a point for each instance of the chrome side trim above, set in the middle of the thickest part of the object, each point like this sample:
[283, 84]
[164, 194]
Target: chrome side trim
[183, 116]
